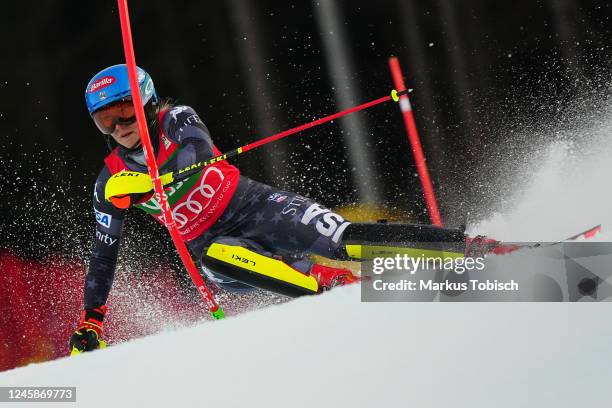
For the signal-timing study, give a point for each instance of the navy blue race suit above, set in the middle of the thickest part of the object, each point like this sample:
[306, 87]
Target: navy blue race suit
[259, 217]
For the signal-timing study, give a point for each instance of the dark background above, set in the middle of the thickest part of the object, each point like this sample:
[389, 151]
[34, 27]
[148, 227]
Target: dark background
[487, 77]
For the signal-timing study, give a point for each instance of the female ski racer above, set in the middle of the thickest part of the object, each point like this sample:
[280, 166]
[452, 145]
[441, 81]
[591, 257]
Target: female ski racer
[242, 233]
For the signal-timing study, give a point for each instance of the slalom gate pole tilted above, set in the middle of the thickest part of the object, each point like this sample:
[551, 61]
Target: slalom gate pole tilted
[415, 143]
[160, 194]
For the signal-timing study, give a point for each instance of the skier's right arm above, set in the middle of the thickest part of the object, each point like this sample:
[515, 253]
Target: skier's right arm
[109, 223]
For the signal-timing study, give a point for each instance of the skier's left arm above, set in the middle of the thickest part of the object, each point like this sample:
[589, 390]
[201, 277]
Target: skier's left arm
[184, 127]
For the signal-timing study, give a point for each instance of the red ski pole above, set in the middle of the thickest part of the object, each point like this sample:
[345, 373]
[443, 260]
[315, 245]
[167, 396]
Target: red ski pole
[160, 194]
[194, 168]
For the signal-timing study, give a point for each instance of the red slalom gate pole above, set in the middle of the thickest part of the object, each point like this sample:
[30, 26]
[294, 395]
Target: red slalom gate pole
[415, 142]
[160, 194]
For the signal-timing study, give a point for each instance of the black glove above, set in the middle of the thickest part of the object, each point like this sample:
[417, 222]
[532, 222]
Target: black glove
[87, 335]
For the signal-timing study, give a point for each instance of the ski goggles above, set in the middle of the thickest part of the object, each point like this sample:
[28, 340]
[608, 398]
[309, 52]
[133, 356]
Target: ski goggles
[121, 113]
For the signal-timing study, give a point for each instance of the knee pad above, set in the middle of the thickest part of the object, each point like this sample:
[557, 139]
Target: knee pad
[237, 267]
[224, 282]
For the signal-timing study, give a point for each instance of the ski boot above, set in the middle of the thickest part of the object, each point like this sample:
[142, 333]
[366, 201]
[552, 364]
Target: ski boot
[329, 277]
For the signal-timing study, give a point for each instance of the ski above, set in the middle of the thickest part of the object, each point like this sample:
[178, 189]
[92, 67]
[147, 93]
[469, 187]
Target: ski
[503, 249]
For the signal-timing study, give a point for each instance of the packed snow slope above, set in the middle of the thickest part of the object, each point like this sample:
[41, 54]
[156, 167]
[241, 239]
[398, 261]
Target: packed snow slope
[332, 350]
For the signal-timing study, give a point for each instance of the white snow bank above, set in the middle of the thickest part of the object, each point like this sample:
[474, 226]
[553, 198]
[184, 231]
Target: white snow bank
[567, 188]
[333, 350]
